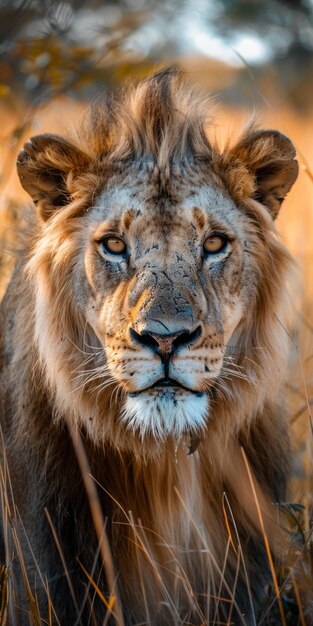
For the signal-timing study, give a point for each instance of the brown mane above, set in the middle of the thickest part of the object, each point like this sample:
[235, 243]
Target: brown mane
[166, 509]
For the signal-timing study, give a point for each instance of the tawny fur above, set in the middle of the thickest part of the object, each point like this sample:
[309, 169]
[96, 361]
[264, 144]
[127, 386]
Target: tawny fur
[143, 167]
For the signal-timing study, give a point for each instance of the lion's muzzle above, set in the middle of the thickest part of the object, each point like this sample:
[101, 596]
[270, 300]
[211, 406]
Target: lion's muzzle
[173, 356]
[165, 344]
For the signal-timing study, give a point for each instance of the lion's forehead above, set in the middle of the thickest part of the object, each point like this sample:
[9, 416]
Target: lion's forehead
[139, 197]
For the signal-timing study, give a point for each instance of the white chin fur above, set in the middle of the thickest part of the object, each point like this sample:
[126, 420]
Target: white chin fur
[165, 413]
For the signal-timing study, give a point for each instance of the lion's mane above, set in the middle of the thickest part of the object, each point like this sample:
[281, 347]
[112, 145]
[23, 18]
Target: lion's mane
[184, 530]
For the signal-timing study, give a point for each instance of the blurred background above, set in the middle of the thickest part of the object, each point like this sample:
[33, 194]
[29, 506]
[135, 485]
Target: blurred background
[253, 56]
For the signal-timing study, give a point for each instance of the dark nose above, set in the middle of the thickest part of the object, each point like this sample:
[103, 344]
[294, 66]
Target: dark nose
[165, 344]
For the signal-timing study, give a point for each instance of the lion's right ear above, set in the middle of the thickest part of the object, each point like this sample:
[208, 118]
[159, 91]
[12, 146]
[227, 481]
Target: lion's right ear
[271, 159]
[44, 167]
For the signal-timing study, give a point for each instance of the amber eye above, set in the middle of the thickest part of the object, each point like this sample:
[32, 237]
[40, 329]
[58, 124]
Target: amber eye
[214, 244]
[113, 244]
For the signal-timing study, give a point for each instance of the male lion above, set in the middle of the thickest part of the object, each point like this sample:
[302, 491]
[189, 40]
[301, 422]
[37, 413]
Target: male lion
[143, 348]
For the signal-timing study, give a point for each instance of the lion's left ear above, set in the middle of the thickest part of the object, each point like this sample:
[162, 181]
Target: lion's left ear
[45, 167]
[270, 157]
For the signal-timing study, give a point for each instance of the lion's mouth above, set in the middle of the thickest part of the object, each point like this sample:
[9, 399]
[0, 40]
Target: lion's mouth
[166, 383]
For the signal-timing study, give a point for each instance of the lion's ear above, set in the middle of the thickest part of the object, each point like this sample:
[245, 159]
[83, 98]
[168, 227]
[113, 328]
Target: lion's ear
[270, 157]
[44, 167]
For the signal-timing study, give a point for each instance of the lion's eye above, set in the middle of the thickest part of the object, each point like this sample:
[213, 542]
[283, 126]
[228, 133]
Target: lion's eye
[114, 245]
[215, 243]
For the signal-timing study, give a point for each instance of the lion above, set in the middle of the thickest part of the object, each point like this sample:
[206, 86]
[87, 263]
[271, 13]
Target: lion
[143, 355]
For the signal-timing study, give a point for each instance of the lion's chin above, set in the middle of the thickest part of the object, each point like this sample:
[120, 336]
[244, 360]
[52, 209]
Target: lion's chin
[166, 412]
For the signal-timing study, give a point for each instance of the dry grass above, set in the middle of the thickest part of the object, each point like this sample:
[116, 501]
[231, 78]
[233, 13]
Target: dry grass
[291, 593]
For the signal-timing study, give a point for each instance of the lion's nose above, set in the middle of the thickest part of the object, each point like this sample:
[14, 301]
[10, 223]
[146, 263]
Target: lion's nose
[165, 344]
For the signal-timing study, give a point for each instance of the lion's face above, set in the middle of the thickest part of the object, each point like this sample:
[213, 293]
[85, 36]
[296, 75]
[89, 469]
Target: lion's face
[157, 277]
[163, 289]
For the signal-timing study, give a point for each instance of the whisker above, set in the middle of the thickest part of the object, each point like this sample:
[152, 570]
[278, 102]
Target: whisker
[100, 369]
[85, 362]
[235, 374]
